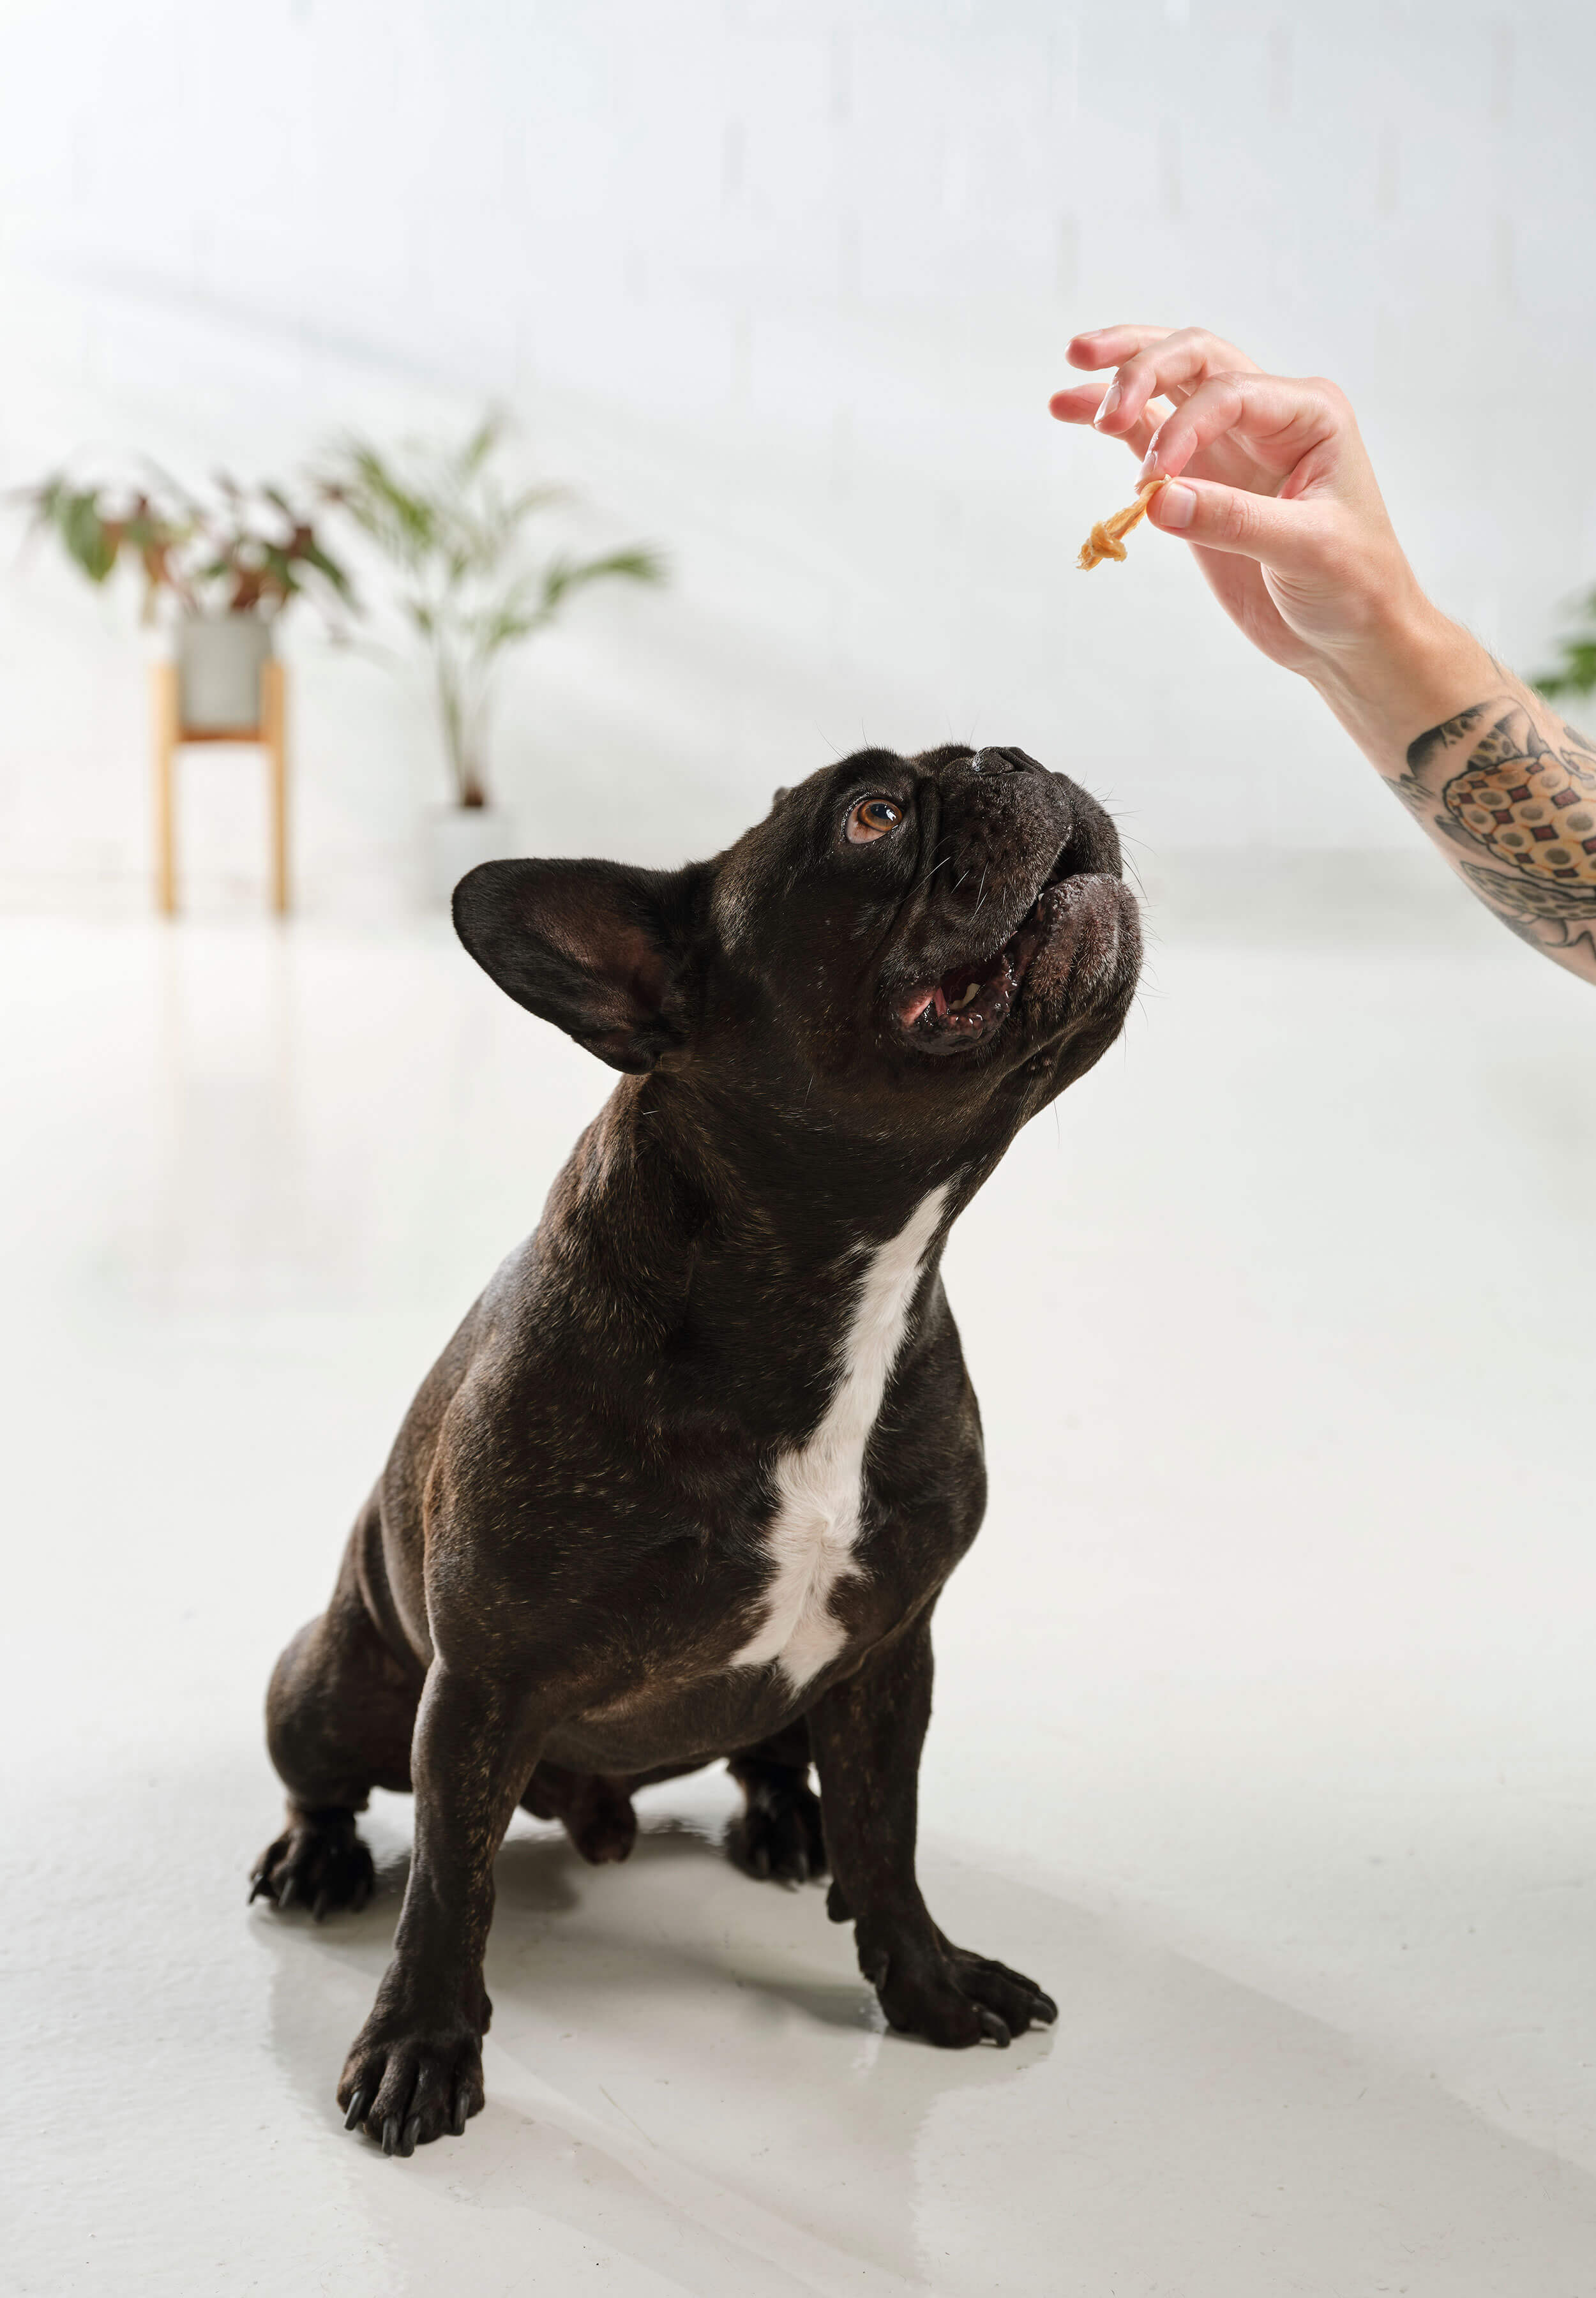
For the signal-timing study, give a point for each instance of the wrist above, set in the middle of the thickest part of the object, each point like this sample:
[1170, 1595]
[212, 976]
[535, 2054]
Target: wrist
[1411, 669]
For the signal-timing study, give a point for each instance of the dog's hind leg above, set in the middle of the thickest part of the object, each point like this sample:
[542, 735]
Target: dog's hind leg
[339, 1716]
[594, 1809]
[778, 1833]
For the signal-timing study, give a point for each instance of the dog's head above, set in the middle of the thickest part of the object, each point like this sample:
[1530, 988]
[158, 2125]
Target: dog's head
[924, 948]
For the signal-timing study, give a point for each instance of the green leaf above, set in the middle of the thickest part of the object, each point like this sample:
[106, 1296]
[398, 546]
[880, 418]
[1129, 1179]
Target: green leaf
[91, 543]
[1576, 672]
[634, 566]
[1575, 675]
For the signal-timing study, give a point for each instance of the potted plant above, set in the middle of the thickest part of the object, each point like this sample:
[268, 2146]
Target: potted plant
[454, 531]
[229, 563]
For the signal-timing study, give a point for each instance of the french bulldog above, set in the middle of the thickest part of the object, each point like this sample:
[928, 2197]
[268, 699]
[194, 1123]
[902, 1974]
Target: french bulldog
[687, 1483]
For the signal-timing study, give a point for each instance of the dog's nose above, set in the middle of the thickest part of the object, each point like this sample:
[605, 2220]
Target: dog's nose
[1005, 761]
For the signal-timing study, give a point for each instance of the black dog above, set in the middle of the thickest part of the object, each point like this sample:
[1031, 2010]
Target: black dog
[688, 1481]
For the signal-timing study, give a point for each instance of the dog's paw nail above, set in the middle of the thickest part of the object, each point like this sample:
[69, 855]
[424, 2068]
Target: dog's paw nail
[357, 2105]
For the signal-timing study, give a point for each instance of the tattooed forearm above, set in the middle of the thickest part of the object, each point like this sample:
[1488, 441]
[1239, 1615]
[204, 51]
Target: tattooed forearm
[1511, 790]
[1445, 737]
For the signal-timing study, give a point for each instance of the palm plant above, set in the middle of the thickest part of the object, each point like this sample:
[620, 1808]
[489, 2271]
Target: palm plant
[453, 530]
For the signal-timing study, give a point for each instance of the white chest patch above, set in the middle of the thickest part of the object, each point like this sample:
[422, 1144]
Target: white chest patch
[818, 1488]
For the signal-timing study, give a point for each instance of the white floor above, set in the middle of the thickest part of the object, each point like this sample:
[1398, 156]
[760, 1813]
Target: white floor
[1266, 1733]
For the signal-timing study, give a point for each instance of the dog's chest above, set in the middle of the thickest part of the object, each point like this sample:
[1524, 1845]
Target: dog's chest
[814, 1528]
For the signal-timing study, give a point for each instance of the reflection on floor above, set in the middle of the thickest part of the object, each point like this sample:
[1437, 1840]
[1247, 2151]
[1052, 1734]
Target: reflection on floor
[1266, 1730]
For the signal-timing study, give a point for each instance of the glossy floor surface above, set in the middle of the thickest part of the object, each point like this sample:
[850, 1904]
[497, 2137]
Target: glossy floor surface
[1266, 1733]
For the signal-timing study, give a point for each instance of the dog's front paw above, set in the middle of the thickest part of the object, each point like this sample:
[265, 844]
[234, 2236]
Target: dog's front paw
[320, 1863]
[406, 2087]
[951, 1997]
[778, 1833]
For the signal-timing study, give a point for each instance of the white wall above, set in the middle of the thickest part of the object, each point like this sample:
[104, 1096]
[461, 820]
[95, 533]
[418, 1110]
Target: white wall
[784, 288]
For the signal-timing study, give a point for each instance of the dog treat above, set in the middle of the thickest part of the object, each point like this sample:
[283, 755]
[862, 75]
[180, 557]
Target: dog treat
[1107, 538]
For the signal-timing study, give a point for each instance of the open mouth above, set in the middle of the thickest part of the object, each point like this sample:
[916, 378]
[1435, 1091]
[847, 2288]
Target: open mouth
[972, 1001]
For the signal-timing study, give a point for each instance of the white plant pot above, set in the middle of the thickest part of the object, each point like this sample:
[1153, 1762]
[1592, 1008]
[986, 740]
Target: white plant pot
[219, 661]
[457, 838]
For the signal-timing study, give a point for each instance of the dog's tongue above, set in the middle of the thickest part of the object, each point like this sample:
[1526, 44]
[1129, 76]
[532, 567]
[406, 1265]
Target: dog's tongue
[910, 1013]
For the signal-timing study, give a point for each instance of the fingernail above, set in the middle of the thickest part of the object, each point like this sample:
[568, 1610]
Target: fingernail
[1111, 400]
[1175, 505]
[1149, 469]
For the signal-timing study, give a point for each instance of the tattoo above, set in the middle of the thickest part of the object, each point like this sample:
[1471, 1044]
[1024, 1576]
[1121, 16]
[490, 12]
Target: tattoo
[1443, 738]
[1523, 803]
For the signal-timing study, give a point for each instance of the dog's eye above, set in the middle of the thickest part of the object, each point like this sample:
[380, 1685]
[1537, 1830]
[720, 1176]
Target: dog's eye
[872, 818]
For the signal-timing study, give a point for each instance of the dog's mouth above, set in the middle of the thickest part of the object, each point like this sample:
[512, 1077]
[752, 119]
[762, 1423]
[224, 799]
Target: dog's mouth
[970, 1002]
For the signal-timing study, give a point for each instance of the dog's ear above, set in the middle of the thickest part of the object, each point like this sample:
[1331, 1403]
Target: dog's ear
[596, 948]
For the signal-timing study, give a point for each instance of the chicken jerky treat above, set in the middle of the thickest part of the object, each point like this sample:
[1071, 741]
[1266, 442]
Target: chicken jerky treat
[1107, 537]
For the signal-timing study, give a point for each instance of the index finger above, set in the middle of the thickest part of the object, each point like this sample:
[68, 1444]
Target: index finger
[1107, 346]
[1280, 418]
[1113, 346]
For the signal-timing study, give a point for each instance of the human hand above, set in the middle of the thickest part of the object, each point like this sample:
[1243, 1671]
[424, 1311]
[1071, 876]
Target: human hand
[1269, 482]
[1277, 496]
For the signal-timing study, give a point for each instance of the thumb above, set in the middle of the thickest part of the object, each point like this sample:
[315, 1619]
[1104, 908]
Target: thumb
[1293, 537]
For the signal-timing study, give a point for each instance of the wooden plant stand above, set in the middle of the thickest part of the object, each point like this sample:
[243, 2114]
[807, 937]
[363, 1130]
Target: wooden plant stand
[171, 735]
